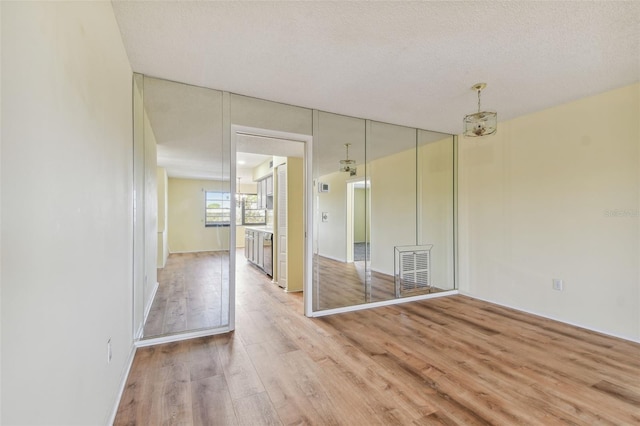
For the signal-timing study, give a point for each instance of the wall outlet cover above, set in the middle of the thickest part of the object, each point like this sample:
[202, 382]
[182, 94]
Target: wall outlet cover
[557, 284]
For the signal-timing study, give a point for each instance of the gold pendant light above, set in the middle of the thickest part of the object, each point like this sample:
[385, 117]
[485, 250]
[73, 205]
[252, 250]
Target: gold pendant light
[481, 123]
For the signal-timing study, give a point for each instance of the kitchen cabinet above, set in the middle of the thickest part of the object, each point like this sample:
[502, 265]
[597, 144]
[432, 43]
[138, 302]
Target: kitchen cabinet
[257, 248]
[265, 193]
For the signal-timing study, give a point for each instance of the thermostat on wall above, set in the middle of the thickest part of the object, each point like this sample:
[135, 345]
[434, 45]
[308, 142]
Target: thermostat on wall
[323, 187]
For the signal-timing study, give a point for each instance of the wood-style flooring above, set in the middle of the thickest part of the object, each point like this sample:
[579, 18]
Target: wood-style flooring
[451, 360]
[346, 284]
[192, 294]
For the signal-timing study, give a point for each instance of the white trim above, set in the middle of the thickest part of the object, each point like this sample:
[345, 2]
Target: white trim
[333, 258]
[229, 136]
[307, 196]
[197, 251]
[526, 311]
[147, 309]
[181, 336]
[123, 383]
[383, 303]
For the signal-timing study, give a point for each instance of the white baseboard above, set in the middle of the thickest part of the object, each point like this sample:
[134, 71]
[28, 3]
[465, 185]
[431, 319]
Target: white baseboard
[181, 336]
[196, 251]
[382, 303]
[607, 333]
[147, 308]
[343, 260]
[123, 383]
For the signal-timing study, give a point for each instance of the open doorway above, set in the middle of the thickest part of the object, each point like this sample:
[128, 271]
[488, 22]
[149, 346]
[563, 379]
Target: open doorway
[271, 167]
[358, 244]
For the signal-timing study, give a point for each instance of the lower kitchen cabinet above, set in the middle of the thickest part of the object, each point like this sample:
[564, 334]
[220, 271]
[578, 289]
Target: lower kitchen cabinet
[257, 249]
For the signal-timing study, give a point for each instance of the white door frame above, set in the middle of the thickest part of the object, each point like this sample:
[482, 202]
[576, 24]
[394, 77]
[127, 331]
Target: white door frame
[350, 240]
[307, 208]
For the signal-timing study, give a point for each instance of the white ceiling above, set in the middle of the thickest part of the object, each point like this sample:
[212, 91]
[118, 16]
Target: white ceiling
[410, 63]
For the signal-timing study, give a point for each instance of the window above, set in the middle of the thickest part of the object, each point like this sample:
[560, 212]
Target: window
[217, 208]
[247, 211]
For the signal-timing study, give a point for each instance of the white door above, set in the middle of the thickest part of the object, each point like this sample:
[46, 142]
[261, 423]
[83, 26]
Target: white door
[282, 225]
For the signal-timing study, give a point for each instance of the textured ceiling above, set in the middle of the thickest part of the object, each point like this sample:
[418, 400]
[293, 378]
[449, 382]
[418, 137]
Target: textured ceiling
[409, 63]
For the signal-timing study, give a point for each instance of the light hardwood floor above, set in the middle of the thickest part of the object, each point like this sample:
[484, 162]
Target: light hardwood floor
[343, 284]
[452, 360]
[192, 294]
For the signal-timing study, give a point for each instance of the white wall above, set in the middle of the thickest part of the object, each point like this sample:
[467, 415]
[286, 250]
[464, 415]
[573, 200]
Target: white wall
[66, 212]
[555, 195]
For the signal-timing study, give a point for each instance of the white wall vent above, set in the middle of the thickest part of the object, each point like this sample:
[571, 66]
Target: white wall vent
[412, 269]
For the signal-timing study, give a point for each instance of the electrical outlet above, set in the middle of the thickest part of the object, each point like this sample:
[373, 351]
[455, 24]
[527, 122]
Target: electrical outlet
[109, 352]
[558, 284]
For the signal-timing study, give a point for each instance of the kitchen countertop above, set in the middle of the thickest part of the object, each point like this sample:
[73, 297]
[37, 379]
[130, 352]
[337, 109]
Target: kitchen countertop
[267, 229]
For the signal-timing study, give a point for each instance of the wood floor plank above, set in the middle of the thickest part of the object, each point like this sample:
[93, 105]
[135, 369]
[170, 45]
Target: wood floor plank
[212, 403]
[256, 410]
[288, 398]
[448, 361]
[242, 378]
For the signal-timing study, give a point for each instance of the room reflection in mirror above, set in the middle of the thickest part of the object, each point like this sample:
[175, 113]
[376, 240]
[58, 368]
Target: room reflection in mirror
[337, 279]
[384, 230]
[183, 199]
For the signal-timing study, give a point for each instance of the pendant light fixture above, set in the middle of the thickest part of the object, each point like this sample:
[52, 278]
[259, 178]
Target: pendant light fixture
[348, 165]
[239, 195]
[481, 123]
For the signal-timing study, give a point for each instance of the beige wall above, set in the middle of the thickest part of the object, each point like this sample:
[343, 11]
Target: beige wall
[295, 224]
[331, 236]
[393, 207]
[263, 114]
[187, 231]
[163, 210]
[359, 215]
[436, 206]
[555, 195]
[66, 268]
[150, 213]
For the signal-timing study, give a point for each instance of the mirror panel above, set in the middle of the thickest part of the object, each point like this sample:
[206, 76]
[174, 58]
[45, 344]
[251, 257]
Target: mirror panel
[339, 281]
[186, 198]
[396, 190]
[263, 114]
[400, 198]
[138, 203]
[436, 201]
[391, 174]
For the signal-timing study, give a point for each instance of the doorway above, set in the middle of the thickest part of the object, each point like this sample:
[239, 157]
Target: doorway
[286, 167]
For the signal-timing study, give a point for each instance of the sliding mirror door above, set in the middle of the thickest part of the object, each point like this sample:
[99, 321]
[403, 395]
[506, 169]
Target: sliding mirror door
[340, 214]
[391, 174]
[436, 206]
[384, 215]
[183, 204]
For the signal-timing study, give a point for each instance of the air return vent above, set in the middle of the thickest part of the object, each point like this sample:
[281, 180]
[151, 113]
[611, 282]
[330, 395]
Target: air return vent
[412, 270]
